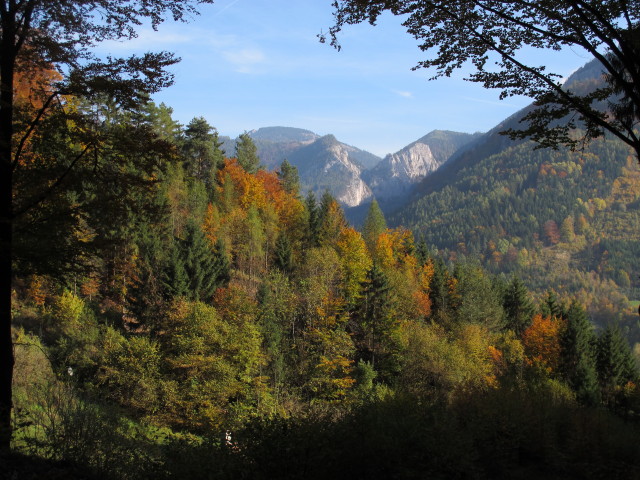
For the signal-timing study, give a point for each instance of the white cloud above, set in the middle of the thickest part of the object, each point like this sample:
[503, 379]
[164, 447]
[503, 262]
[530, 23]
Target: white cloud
[245, 59]
[403, 93]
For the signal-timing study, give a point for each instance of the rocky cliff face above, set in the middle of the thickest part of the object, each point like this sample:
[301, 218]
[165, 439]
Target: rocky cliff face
[327, 164]
[397, 173]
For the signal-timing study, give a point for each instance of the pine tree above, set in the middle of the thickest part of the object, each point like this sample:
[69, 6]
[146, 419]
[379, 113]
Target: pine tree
[203, 156]
[247, 153]
[159, 116]
[373, 226]
[578, 344]
[518, 308]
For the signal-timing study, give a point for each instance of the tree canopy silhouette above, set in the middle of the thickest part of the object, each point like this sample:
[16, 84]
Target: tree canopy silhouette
[494, 36]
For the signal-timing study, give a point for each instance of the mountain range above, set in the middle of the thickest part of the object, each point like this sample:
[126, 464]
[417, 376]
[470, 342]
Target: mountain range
[569, 220]
[351, 175]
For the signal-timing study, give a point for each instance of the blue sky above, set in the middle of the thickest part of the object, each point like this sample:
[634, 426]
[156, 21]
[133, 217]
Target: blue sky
[248, 64]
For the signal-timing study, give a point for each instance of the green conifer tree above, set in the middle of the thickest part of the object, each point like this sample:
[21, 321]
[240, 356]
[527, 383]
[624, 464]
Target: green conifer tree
[373, 226]
[288, 175]
[202, 153]
[247, 153]
[578, 343]
[375, 324]
[282, 253]
[146, 296]
[176, 280]
[199, 263]
[159, 116]
[422, 251]
[615, 362]
[442, 305]
[552, 306]
[314, 219]
[518, 307]
[196, 268]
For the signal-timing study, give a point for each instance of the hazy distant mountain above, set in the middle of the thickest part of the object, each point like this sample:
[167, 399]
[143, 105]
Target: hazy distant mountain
[284, 135]
[276, 144]
[397, 173]
[328, 164]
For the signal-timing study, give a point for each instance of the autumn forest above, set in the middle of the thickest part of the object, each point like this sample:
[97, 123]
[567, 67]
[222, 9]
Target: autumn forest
[180, 311]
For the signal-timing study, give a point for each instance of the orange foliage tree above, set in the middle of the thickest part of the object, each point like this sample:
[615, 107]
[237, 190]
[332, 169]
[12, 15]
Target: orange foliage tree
[542, 342]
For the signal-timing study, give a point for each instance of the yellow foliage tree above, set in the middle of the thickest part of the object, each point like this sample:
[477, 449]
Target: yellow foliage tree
[354, 260]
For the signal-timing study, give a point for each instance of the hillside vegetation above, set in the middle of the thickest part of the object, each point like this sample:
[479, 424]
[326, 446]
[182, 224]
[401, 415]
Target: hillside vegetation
[242, 331]
[561, 220]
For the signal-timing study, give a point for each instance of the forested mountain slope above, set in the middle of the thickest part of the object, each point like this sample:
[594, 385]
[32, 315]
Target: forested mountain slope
[559, 219]
[393, 178]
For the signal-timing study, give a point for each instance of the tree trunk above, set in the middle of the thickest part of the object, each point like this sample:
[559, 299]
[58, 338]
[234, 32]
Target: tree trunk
[7, 65]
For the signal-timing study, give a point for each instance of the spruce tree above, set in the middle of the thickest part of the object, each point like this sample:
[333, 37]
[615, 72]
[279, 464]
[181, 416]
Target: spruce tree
[374, 316]
[615, 362]
[518, 308]
[422, 251]
[579, 355]
[221, 265]
[373, 226]
[148, 292]
[552, 307]
[442, 306]
[196, 268]
[199, 263]
[282, 253]
[176, 281]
